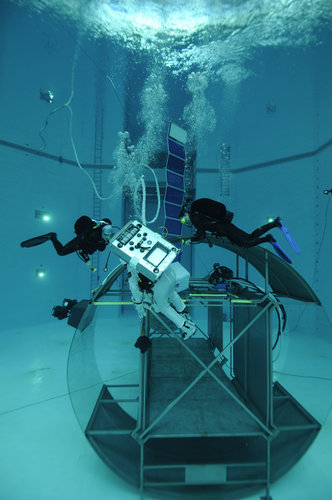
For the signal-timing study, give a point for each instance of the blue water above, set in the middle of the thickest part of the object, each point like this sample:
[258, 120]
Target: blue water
[254, 76]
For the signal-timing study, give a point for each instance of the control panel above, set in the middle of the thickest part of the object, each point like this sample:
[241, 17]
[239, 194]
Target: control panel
[153, 252]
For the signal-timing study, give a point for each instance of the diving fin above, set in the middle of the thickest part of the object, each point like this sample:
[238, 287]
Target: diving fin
[280, 251]
[289, 237]
[38, 240]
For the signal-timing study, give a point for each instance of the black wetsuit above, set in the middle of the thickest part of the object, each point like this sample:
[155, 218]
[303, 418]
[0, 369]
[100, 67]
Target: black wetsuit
[85, 244]
[210, 215]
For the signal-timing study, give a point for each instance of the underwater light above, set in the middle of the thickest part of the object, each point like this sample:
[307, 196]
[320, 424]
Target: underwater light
[43, 215]
[269, 219]
[40, 273]
[46, 95]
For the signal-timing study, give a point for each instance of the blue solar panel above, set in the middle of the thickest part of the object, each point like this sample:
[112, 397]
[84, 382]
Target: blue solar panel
[175, 183]
[175, 180]
[174, 196]
[173, 226]
[172, 210]
[175, 164]
[176, 149]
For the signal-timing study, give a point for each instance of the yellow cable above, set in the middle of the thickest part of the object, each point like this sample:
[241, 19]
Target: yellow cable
[121, 303]
[163, 227]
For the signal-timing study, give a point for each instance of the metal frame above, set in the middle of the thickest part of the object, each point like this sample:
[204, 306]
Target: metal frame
[141, 432]
[206, 369]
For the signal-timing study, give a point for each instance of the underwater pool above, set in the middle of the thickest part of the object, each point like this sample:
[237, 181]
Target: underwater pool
[129, 110]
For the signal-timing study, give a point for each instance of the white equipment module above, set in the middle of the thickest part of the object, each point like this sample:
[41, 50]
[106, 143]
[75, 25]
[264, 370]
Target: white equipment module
[153, 252]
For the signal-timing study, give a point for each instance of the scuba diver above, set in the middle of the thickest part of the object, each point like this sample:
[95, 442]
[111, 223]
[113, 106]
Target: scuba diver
[90, 237]
[210, 215]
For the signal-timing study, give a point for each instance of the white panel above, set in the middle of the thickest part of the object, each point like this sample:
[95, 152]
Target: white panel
[182, 276]
[153, 253]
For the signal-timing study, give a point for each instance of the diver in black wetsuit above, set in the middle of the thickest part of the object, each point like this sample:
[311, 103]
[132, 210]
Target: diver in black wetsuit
[210, 215]
[91, 236]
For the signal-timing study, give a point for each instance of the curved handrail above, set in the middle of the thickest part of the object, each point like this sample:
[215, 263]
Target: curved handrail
[283, 279]
[108, 282]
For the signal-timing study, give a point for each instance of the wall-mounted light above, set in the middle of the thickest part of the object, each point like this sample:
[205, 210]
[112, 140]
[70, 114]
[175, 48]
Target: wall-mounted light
[42, 215]
[46, 95]
[40, 273]
[271, 107]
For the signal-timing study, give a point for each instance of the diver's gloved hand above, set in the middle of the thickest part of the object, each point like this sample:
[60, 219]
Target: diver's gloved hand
[89, 264]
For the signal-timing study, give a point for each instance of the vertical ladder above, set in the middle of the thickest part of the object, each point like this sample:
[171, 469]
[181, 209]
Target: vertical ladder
[97, 171]
[225, 173]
